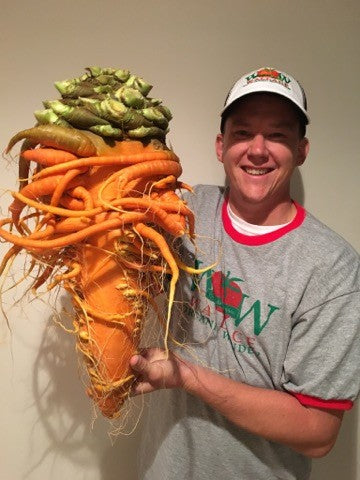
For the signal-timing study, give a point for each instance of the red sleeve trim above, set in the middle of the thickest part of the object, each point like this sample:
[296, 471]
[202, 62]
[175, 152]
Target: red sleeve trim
[265, 238]
[320, 403]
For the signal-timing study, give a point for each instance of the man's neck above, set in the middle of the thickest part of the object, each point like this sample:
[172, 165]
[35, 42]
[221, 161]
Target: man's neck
[256, 214]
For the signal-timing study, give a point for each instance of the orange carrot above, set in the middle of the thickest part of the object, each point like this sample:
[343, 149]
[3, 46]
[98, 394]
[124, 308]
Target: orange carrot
[48, 156]
[80, 198]
[118, 207]
[40, 280]
[65, 183]
[102, 213]
[159, 240]
[70, 225]
[70, 202]
[35, 190]
[113, 160]
[72, 238]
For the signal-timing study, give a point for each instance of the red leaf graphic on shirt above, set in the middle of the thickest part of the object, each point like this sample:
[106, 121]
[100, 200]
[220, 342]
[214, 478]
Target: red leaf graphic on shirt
[227, 290]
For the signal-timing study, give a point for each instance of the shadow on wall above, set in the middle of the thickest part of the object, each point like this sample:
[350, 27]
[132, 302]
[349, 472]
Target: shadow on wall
[119, 461]
[66, 415]
[341, 461]
[63, 408]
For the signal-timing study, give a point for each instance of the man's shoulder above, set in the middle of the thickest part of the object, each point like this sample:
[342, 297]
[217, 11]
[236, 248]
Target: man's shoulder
[204, 195]
[321, 238]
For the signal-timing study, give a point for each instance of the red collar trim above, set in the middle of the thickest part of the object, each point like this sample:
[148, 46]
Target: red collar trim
[265, 238]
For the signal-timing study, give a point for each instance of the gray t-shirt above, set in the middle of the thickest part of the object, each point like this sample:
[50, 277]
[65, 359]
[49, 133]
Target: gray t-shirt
[278, 311]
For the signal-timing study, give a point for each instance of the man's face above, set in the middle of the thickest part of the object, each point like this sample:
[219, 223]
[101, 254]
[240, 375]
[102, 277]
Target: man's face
[260, 148]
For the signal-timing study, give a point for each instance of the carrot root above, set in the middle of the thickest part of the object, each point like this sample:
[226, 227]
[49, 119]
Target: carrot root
[97, 227]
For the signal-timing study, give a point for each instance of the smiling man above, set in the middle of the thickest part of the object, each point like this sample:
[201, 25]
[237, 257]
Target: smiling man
[271, 334]
[260, 147]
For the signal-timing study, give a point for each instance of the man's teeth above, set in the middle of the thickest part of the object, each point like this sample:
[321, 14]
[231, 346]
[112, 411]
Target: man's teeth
[257, 171]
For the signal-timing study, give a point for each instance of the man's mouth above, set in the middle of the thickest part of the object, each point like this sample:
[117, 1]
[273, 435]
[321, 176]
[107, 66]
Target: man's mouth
[256, 171]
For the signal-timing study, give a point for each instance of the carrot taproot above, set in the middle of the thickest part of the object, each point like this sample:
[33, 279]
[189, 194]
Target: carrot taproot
[40, 280]
[75, 270]
[141, 267]
[48, 156]
[70, 202]
[10, 254]
[70, 225]
[23, 200]
[66, 182]
[149, 169]
[159, 240]
[120, 160]
[77, 198]
[35, 190]
[72, 238]
[165, 182]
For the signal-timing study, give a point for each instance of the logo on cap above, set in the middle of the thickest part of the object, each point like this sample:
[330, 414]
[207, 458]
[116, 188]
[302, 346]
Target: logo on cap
[269, 75]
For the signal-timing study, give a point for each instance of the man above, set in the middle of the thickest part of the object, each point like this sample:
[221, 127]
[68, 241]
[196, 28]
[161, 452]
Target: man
[270, 357]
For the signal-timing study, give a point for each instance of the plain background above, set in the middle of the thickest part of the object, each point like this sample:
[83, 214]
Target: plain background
[192, 52]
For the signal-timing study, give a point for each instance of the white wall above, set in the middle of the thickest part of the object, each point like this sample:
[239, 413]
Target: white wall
[192, 52]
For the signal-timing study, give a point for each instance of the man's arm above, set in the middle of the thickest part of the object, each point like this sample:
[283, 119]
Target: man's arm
[274, 415]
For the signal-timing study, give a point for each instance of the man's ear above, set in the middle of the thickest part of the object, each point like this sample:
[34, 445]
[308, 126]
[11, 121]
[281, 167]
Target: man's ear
[219, 146]
[303, 151]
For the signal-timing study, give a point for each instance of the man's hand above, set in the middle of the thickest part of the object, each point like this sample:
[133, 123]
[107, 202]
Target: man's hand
[275, 415]
[157, 369]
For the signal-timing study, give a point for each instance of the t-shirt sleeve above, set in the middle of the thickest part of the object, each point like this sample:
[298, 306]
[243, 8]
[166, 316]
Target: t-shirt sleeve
[322, 365]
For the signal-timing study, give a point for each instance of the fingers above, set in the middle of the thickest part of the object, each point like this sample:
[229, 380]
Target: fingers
[153, 354]
[139, 364]
[142, 367]
[142, 387]
[154, 371]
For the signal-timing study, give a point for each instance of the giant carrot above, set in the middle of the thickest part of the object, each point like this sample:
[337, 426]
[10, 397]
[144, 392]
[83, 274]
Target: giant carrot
[105, 203]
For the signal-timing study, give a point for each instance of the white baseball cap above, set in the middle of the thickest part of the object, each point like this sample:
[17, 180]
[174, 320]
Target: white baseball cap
[268, 80]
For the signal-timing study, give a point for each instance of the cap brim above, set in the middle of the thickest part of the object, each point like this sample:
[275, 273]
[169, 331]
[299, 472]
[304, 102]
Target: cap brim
[259, 88]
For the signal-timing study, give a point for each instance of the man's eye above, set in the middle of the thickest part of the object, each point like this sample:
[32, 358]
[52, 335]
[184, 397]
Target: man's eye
[276, 135]
[242, 133]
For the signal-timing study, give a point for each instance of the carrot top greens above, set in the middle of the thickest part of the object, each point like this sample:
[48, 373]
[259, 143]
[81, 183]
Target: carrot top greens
[111, 103]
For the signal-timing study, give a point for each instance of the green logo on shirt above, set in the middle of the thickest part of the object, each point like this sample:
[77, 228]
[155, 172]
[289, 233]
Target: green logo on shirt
[227, 296]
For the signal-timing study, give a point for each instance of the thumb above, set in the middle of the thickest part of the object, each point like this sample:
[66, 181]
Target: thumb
[139, 364]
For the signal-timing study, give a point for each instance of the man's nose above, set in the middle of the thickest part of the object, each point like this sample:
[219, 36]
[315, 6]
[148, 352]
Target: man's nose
[257, 149]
